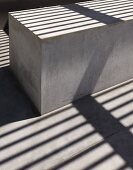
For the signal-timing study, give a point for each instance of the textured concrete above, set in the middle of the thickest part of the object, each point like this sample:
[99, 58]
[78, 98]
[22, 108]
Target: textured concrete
[94, 133]
[62, 53]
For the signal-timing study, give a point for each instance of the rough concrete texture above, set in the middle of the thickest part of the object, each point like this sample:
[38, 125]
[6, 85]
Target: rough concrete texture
[94, 133]
[62, 53]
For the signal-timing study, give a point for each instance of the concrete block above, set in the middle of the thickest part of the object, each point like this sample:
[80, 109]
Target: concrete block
[15, 5]
[62, 53]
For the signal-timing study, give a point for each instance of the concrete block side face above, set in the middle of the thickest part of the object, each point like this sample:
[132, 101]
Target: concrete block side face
[25, 59]
[77, 64]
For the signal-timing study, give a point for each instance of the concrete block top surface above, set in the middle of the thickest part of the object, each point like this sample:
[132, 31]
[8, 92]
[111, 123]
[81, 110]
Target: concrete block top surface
[63, 19]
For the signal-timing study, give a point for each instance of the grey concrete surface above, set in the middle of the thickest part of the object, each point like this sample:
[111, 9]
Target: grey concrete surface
[62, 53]
[15, 5]
[93, 133]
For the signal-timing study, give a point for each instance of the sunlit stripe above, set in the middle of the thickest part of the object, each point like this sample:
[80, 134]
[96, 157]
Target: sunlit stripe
[55, 20]
[42, 12]
[96, 2]
[15, 13]
[106, 4]
[70, 30]
[114, 8]
[58, 29]
[49, 15]
[123, 15]
[60, 24]
[51, 18]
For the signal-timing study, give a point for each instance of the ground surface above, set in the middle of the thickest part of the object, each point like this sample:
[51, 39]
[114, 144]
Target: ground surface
[94, 133]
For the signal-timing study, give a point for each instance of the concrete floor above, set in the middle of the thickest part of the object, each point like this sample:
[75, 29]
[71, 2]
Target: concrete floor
[93, 133]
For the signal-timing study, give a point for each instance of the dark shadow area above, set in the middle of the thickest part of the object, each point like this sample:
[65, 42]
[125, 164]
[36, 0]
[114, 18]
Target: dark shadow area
[106, 19]
[14, 104]
[106, 124]
[112, 131]
[99, 117]
[94, 113]
[6, 26]
[30, 124]
[27, 4]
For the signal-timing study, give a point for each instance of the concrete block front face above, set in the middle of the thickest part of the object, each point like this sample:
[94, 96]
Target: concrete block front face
[62, 53]
[25, 52]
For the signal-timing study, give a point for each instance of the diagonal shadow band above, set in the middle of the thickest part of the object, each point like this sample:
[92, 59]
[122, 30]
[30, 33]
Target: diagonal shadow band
[96, 15]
